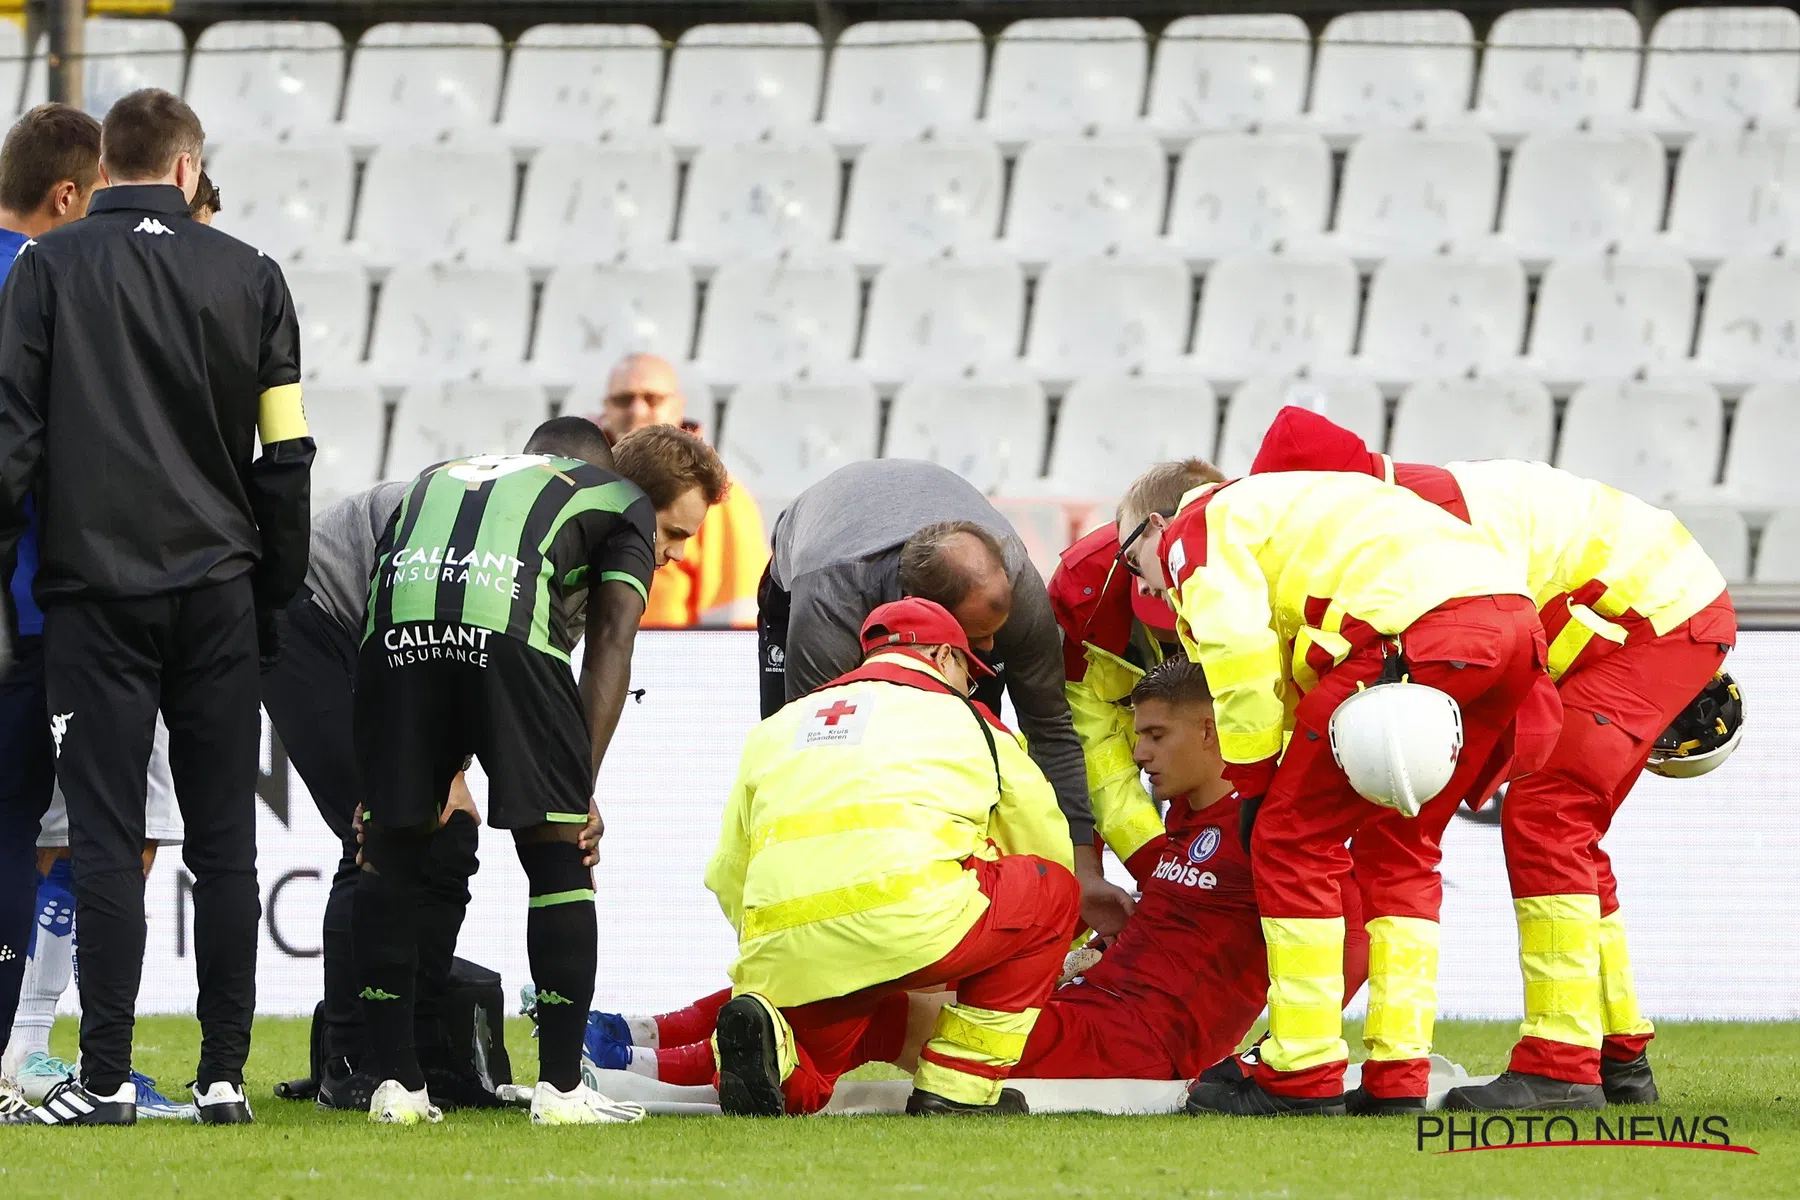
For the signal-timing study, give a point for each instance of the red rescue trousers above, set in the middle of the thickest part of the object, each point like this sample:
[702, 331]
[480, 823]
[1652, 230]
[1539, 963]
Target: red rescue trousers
[1579, 999]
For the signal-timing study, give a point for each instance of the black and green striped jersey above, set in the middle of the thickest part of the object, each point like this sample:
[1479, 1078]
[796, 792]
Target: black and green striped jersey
[506, 541]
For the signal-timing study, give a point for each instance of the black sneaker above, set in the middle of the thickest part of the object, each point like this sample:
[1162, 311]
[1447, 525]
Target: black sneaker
[1234, 1067]
[222, 1103]
[1630, 1081]
[1247, 1098]
[1358, 1103]
[749, 1066]
[345, 1089]
[1516, 1090]
[929, 1104]
[70, 1103]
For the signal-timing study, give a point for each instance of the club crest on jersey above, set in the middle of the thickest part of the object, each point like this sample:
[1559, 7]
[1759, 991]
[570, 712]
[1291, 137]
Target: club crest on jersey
[1204, 845]
[841, 721]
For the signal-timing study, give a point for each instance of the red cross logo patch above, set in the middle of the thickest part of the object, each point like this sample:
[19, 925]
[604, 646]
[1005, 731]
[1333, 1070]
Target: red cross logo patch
[836, 718]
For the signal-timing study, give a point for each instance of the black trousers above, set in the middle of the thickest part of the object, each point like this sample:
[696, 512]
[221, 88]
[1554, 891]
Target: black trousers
[109, 666]
[27, 780]
[310, 695]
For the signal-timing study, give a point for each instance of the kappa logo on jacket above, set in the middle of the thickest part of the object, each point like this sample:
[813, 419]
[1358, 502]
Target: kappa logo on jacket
[152, 225]
[59, 725]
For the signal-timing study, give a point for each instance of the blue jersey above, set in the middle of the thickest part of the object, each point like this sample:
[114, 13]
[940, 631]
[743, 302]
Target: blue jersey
[31, 617]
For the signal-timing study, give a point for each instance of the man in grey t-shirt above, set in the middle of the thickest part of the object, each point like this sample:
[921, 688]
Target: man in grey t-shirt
[838, 552]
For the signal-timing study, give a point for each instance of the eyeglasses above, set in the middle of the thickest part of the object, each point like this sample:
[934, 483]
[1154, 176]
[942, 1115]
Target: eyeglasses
[1131, 539]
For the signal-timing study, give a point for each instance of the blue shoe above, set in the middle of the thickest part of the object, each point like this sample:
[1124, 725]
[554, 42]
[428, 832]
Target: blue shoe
[39, 1073]
[153, 1105]
[607, 1043]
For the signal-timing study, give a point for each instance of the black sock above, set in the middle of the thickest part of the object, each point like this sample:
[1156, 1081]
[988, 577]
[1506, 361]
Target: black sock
[387, 956]
[562, 939]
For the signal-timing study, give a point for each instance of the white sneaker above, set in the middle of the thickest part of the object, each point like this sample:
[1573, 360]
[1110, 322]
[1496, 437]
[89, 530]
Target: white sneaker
[392, 1104]
[580, 1105]
[222, 1103]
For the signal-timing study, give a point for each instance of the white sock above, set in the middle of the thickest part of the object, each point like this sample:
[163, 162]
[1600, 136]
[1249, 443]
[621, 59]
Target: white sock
[643, 1062]
[643, 1031]
[47, 975]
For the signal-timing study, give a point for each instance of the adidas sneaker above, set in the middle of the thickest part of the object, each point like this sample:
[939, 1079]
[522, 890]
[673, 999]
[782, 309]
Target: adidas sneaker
[580, 1105]
[152, 1105]
[70, 1103]
[392, 1104]
[222, 1103]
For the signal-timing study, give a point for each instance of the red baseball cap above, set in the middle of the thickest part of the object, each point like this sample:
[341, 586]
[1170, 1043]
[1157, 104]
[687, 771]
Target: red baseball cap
[916, 622]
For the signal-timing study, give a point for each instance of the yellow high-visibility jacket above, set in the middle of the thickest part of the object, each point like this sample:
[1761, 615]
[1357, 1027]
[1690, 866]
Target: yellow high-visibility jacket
[1277, 578]
[840, 857]
[1124, 814]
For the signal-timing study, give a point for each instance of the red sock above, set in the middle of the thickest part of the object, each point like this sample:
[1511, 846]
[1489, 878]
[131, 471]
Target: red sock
[685, 1026]
[686, 1066]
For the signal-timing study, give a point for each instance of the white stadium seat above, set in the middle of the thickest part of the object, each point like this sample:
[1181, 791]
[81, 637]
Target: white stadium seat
[332, 307]
[1778, 557]
[904, 79]
[13, 64]
[921, 199]
[1433, 317]
[1249, 191]
[260, 80]
[591, 203]
[125, 55]
[1386, 70]
[434, 203]
[1691, 81]
[1557, 69]
[1087, 196]
[1658, 440]
[1580, 192]
[991, 432]
[1270, 314]
[943, 318]
[592, 316]
[1417, 191]
[1111, 315]
[1750, 328]
[578, 82]
[730, 84]
[292, 202]
[1355, 404]
[781, 438]
[1452, 420]
[1736, 193]
[1060, 76]
[776, 320]
[759, 199]
[1759, 466]
[347, 422]
[439, 421]
[450, 322]
[422, 80]
[1606, 316]
[1723, 534]
[1110, 426]
[1217, 73]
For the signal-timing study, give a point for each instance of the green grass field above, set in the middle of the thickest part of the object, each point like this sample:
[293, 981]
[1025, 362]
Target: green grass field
[1749, 1074]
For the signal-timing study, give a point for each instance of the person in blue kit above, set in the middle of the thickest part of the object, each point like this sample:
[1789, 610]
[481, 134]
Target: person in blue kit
[49, 166]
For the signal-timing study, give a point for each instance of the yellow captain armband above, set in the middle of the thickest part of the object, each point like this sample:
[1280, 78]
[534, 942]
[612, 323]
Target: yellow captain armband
[280, 415]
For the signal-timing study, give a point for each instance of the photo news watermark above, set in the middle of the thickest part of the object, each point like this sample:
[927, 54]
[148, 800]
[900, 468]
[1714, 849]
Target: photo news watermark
[1455, 1133]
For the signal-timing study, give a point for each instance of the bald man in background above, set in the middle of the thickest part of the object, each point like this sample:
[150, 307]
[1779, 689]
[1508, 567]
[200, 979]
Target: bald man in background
[714, 587]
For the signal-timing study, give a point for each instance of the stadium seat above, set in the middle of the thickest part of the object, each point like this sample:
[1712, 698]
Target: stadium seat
[1355, 404]
[261, 80]
[125, 55]
[1415, 191]
[1750, 327]
[591, 203]
[921, 199]
[730, 84]
[1723, 534]
[781, 438]
[332, 307]
[1109, 427]
[1607, 316]
[1778, 556]
[1388, 70]
[411, 80]
[1658, 440]
[1061, 76]
[13, 63]
[578, 82]
[434, 203]
[1692, 82]
[292, 202]
[904, 79]
[438, 421]
[778, 320]
[1269, 314]
[1558, 69]
[1736, 193]
[591, 316]
[1097, 195]
[1219, 73]
[991, 432]
[1236, 192]
[1452, 420]
[1582, 192]
[348, 423]
[1759, 465]
[944, 318]
[1440, 316]
[1108, 315]
[450, 322]
[759, 199]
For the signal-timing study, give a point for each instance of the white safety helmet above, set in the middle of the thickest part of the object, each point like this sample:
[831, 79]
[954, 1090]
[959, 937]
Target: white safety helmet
[1704, 735]
[1398, 743]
